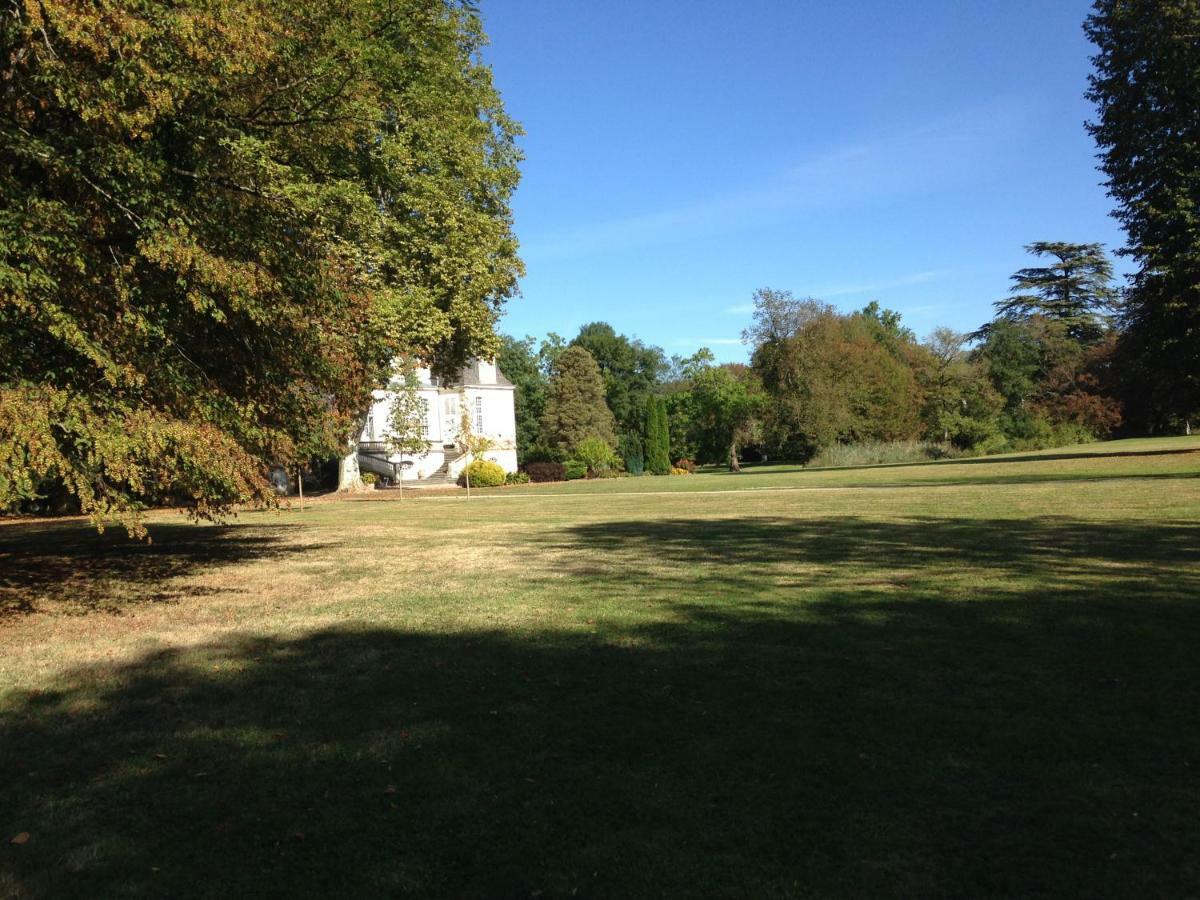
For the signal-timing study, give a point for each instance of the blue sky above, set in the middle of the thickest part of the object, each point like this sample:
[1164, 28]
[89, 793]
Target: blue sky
[680, 155]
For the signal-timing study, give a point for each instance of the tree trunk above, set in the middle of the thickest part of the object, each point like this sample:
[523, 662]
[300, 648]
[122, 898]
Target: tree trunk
[300, 486]
[1187, 425]
[349, 477]
[734, 466]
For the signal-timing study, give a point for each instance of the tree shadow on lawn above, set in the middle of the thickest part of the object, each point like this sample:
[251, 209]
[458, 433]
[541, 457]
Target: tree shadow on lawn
[1067, 558]
[72, 568]
[865, 744]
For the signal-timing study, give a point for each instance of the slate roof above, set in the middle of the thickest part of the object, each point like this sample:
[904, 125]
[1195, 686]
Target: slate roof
[468, 376]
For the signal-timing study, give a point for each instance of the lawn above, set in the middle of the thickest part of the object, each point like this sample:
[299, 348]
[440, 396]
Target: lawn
[975, 678]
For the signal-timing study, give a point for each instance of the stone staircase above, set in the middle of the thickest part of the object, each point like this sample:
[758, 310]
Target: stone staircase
[440, 478]
[375, 457]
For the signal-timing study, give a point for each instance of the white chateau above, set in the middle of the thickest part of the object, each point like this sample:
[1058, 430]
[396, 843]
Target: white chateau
[488, 396]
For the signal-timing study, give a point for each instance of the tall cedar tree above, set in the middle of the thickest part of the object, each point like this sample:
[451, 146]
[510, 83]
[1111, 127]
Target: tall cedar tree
[220, 224]
[575, 407]
[658, 438]
[1146, 87]
[1075, 290]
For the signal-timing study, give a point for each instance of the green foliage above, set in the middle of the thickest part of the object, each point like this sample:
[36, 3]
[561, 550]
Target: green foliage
[1014, 358]
[482, 473]
[516, 478]
[1076, 290]
[631, 370]
[1042, 371]
[961, 406]
[1146, 87]
[575, 406]
[221, 224]
[837, 379]
[658, 437]
[574, 469]
[632, 453]
[521, 364]
[595, 454]
[408, 412]
[728, 404]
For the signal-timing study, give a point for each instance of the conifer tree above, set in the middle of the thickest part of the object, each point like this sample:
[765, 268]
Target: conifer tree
[658, 438]
[575, 406]
[1076, 290]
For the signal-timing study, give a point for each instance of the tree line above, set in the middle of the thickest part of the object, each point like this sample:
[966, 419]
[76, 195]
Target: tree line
[1041, 373]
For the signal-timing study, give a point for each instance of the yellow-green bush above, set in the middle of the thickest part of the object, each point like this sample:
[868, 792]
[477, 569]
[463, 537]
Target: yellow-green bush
[483, 473]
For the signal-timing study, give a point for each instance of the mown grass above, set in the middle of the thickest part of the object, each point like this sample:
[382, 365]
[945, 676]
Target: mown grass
[971, 678]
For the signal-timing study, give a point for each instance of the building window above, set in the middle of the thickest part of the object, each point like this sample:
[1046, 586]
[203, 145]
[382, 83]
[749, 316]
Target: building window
[424, 417]
[479, 415]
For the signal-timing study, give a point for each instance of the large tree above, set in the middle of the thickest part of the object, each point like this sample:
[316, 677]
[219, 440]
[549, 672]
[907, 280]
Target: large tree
[575, 407]
[632, 371]
[838, 378]
[778, 315]
[1075, 288]
[1146, 87]
[221, 223]
[728, 402]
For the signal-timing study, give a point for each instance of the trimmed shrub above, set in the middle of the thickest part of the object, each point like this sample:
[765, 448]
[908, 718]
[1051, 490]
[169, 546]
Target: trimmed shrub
[516, 478]
[630, 449]
[369, 478]
[675, 470]
[575, 469]
[483, 472]
[685, 463]
[539, 472]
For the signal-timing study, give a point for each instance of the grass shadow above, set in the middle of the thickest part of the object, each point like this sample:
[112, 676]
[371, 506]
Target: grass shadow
[72, 569]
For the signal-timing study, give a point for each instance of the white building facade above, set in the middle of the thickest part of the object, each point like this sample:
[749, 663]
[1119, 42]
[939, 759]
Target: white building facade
[488, 396]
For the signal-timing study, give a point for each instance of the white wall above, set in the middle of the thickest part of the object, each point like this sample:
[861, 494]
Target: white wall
[491, 407]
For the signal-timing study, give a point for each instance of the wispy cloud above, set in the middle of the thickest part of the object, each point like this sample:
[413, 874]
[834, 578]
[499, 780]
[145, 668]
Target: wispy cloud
[938, 154]
[844, 290]
[740, 309]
